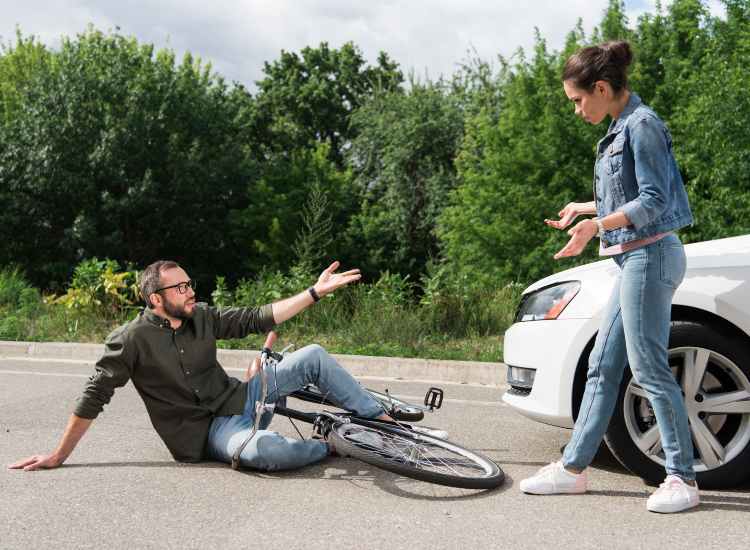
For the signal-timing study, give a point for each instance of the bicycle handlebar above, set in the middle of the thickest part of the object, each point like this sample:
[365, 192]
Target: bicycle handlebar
[260, 405]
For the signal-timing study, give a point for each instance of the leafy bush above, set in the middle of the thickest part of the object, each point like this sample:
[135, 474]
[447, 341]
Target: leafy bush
[271, 286]
[456, 303]
[100, 285]
[30, 302]
[12, 284]
[392, 288]
[448, 316]
[11, 327]
[222, 296]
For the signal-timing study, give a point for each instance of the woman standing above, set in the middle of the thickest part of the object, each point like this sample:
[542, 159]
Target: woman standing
[639, 201]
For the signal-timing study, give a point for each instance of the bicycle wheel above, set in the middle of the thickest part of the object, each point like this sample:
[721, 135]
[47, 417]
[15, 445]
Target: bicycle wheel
[415, 455]
[396, 408]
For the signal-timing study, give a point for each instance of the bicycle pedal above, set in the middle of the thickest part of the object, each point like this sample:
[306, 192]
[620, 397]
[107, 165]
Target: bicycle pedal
[433, 398]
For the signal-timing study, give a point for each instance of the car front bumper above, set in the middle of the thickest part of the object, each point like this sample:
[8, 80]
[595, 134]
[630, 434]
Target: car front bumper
[553, 349]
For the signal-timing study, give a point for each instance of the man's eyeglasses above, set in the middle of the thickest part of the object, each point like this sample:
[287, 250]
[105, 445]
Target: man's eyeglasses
[182, 288]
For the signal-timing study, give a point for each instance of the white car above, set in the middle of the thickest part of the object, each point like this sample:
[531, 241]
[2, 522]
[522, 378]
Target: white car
[547, 350]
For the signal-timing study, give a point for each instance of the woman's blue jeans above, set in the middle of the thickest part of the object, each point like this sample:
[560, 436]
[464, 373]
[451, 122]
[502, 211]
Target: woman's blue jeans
[269, 450]
[635, 331]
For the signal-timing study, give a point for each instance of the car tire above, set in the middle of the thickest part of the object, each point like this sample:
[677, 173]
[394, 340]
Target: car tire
[721, 431]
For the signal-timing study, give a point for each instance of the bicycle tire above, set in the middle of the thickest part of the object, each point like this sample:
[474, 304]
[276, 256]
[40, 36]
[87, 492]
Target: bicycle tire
[396, 408]
[415, 455]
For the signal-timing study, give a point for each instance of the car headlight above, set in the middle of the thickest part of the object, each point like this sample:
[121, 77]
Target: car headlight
[547, 303]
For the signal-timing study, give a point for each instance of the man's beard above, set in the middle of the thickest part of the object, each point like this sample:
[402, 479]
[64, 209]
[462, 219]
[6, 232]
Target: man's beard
[177, 312]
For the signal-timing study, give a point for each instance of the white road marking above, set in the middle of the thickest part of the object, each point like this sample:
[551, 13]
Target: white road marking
[47, 360]
[404, 381]
[91, 362]
[413, 398]
[34, 373]
[418, 399]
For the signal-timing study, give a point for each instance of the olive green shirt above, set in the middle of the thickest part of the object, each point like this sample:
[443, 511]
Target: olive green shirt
[175, 372]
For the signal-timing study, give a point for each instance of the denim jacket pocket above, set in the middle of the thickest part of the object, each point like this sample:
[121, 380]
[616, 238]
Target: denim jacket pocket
[614, 155]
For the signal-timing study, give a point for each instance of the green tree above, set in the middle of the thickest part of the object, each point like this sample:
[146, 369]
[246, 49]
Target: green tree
[710, 125]
[614, 25]
[514, 172]
[686, 40]
[308, 98]
[651, 48]
[300, 120]
[117, 151]
[19, 65]
[523, 165]
[267, 228]
[402, 160]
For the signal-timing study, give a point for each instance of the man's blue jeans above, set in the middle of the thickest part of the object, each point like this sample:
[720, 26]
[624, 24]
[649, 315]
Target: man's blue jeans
[269, 450]
[635, 331]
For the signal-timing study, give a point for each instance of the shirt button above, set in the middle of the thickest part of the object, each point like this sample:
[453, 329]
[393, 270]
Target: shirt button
[182, 351]
[187, 372]
[196, 390]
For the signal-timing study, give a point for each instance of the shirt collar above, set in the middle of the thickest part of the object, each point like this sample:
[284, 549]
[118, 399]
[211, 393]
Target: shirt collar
[154, 319]
[634, 101]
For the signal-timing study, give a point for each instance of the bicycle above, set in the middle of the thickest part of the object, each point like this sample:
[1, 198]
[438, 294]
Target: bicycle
[393, 407]
[391, 445]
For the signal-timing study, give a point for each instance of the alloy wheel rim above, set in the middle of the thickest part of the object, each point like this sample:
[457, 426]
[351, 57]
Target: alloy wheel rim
[717, 398]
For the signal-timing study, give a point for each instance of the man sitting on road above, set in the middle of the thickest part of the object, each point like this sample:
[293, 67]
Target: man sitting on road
[169, 351]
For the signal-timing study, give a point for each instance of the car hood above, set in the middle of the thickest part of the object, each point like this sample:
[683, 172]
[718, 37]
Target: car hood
[729, 252]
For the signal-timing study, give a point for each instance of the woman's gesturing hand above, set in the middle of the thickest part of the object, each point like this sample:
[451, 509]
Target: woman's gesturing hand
[567, 215]
[580, 235]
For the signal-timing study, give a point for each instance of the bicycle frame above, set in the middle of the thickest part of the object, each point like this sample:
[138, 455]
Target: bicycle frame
[398, 448]
[319, 420]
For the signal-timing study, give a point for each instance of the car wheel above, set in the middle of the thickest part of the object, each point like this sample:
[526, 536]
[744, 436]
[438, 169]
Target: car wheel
[713, 371]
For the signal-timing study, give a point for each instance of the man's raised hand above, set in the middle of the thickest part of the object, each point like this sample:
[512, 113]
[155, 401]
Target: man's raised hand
[329, 280]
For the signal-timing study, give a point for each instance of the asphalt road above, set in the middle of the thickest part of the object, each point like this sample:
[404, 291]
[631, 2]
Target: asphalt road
[120, 488]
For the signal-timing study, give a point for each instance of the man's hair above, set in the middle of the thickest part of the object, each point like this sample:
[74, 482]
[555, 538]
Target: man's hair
[151, 278]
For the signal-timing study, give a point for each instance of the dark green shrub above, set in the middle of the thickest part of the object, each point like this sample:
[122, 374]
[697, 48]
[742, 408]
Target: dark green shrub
[12, 284]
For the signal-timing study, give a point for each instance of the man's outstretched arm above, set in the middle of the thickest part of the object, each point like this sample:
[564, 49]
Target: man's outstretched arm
[112, 371]
[74, 431]
[328, 281]
[238, 322]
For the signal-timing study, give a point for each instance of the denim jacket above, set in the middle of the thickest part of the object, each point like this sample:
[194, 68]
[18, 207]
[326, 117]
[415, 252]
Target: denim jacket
[636, 173]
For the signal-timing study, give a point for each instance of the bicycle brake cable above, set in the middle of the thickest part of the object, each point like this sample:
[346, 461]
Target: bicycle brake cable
[276, 385]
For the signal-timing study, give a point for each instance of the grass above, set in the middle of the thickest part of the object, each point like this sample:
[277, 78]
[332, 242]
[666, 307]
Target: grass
[360, 322]
[485, 348]
[372, 319]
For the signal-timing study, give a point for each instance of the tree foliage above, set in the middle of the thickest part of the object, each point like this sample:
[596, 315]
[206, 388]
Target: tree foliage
[402, 159]
[523, 166]
[109, 148]
[115, 150]
[308, 98]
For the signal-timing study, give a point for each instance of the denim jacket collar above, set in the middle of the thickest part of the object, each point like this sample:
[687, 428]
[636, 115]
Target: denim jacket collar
[633, 103]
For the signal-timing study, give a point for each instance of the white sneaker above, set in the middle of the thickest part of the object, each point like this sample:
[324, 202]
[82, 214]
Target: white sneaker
[674, 495]
[432, 432]
[554, 479]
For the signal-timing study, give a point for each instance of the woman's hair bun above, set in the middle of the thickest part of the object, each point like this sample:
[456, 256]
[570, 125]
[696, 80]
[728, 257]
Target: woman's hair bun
[618, 52]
